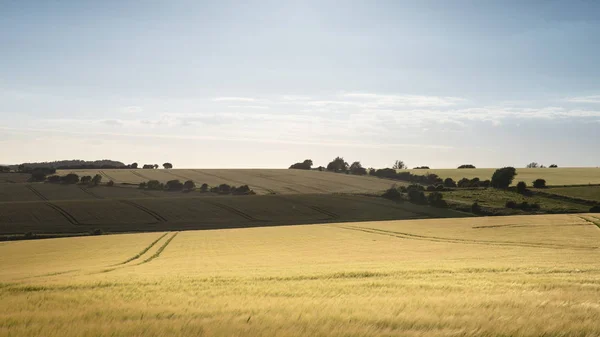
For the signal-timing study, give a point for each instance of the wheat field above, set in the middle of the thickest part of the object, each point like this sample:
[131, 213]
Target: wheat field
[498, 276]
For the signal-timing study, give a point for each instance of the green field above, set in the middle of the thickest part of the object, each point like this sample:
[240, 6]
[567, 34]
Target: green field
[580, 192]
[499, 276]
[553, 176]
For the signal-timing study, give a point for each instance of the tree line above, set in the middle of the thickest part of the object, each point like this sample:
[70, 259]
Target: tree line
[189, 185]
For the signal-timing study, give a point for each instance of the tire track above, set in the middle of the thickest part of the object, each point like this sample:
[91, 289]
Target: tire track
[37, 193]
[462, 241]
[237, 181]
[177, 175]
[146, 210]
[291, 183]
[107, 176]
[532, 225]
[64, 213]
[234, 210]
[332, 215]
[160, 250]
[141, 175]
[144, 251]
[90, 192]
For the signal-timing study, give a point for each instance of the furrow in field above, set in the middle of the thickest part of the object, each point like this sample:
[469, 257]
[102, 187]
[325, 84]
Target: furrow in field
[36, 192]
[160, 250]
[90, 192]
[64, 213]
[234, 210]
[106, 175]
[144, 251]
[295, 184]
[462, 241]
[141, 175]
[332, 215]
[177, 175]
[148, 211]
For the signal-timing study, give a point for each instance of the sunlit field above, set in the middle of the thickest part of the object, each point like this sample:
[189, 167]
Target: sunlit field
[499, 276]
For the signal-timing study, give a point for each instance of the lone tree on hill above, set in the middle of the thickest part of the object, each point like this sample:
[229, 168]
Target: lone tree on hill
[357, 169]
[399, 165]
[338, 165]
[134, 165]
[305, 165]
[464, 166]
[532, 165]
[168, 166]
[502, 178]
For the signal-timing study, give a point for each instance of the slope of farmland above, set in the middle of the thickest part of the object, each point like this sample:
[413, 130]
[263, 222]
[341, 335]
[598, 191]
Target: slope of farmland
[553, 176]
[262, 181]
[502, 276]
[580, 192]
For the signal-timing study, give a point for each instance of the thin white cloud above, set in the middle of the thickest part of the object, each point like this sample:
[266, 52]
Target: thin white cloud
[235, 99]
[584, 99]
[381, 100]
[249, 106]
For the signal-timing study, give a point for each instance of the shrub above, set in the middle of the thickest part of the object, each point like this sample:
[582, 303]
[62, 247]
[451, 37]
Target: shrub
[29, 235]
[485, 183]
[174, 185]
[204, 188]
[70, 178]
[154, 185]
[511, 204]
[502, 178]
[224, 189]
[305, 165]
[54, 179]
[96, 180]
[448, 182]
[464, 182]
[189, 185]
[436, 199]
[430, 188]
[553, 166]
[421, 168]
[475, 208]
[392, 193]
[214, 189]
[539, 183]
[439, 188]
[595, 209]
[521, 187]
[474, 182]
[97, 231]
[242, 190]
[142, 185]
[110, 183]
[415, 187]
[85, 179]
[417, 197]
[38, 176]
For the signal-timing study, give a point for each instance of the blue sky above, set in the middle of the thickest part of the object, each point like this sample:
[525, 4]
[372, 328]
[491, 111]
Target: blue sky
[269, 83]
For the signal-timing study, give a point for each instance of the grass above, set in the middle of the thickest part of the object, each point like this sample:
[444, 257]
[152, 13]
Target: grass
[497, 276]
[554, 176]
[580, 192]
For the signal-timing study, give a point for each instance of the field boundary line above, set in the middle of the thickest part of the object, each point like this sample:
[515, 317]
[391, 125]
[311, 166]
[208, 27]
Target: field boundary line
[144, 209]
[234, 210]
[90, 192]
[64, 213]
[144, 251]
[463, 241]
[37, 193]
[160, 250]
[237, 181]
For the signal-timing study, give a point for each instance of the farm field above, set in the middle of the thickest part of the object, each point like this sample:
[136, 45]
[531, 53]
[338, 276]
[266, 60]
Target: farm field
[580, 192]
[553, 176]
[496, 276]
[262, 181]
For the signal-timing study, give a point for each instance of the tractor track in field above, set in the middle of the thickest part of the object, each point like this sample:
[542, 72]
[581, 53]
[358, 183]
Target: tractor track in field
[141, 253]
[144, 209]
[375, 203]
[65, 214]
[359, 188]
[291, 183]
[177, 175]
[160, 250]
[332, 215]
[530, 225]
[592, 221]
[141, 175]
[106, 175]
[234, 210]
[409, 236]
[237, 181]
[90, 192]
[37, 193]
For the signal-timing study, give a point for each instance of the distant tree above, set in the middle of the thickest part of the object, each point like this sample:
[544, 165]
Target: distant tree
[521, 187]
[357, 169]
[110, 183]
[142, 185]
[474, 182]
[448, 182]
[539, 183]
[430, 188]
[553, 166]
[392, 193]
[399, 165]
[189, 185]
[224, 189]
[38, 176]
[532, 165]
[155, 166]
[542, 166]
[174, 185]
[338, 165]
[421, 168]
[204, 187]
[154, 185]
[467, 166]
[96, 180]
[168, 166]
[147, 166]
[464, 182]
[242, 190]
[436, 199]
[21, 168]
[134, 165]
[85, 179]
[321, 168]
[416, 196]
[305, 165]
[70, 178]
[502, 178]
[54, 179]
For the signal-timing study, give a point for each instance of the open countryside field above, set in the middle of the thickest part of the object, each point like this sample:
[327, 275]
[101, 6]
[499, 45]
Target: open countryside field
[553, 176]
[499, 276]
[262, 181]
[580, 192]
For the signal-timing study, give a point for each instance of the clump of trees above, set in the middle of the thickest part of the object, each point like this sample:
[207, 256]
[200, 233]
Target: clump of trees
[150, 166]
[475, 182]
[421, 168]
[502, 178]
[4, 169]
[167, 166]
[532, 165]
[338, 165]
[189, 185]
[467, 166]
[553, 166]
[525, 206]
[388, 173]
[399, 165]
[539, 183]
[305, 165]
[521, 187]
[357, 169]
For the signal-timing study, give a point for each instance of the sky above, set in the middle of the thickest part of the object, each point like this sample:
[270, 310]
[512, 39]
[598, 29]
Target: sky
[264, 84]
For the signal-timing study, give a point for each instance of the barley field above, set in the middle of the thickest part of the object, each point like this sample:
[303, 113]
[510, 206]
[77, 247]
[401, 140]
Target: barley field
[536, 275]
[553, 176]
